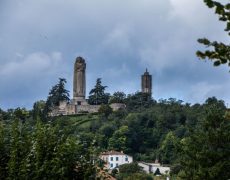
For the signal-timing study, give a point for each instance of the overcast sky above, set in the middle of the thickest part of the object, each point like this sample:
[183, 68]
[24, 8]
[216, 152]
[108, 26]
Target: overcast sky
[40, 39]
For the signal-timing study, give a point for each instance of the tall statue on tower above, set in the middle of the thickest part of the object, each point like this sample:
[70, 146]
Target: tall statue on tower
[79, 80]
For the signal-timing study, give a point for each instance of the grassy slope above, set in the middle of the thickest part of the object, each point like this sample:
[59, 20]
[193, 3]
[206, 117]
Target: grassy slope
[81, 120]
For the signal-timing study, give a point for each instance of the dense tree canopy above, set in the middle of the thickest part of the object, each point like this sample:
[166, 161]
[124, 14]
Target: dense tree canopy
[137, 100]
[205, 154]
[117, 97]
[171, 131]
[42, 151]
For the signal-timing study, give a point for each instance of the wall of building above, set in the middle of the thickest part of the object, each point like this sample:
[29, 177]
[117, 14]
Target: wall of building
[145, 167]
[87, 108]
[152, 167]
[113, 161]
[65, 108]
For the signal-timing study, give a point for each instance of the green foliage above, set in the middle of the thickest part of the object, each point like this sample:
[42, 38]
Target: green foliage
[117, 97]
[130, 168]
[138, 101]
[118, 141]
[21, 113]
[105, 110]
[42, 151]
[4, 155]
[220, 52]
[205, 153]
[168, 148]
[97, 95]
[114, 172]
[131, 171]
[57, 93]
[138, 176]
[166, 131]
[38, 108]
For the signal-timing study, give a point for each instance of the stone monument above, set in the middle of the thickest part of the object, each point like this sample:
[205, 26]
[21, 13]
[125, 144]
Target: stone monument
[78, 104]
[79, 81]
[146, 83]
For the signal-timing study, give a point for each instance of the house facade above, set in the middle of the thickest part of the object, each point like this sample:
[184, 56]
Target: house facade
[113, 159]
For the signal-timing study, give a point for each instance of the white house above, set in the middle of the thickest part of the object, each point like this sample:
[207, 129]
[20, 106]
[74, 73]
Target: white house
[114, 159]
[152, 167]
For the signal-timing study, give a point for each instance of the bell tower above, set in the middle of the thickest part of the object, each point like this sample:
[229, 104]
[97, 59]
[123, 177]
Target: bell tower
[146, 83]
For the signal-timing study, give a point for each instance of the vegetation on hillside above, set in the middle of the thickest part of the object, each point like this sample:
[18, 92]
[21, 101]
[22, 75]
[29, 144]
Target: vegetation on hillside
[192, 139]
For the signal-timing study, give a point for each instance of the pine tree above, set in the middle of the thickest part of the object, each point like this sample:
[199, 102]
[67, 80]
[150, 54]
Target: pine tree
[57, 94]
[97, 95]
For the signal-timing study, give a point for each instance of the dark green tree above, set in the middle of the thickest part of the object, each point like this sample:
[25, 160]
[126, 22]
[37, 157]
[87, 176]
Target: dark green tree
[21, 113]
[4, 150]
[38, 108]
[205, 153]
[97, 95]
[214, 101]
[43, 151]
[130, 168]
[138, 101]
[57, 93]
[219, 52]
[117, 97]
[168, 148]
[131, 171]
[119, 139]
[105, 110]
[114, 172]
[138, 176]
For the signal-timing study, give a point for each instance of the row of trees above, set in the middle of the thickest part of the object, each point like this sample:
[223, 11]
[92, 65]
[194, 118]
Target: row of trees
[42, 151]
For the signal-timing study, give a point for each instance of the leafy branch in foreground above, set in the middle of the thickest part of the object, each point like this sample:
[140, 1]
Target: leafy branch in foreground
[220, 52]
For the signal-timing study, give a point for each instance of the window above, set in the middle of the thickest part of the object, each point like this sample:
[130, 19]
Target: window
[126, 158]
[78, 102]
[111, 158]
[111, 165]
[117, 158]
[116, 164]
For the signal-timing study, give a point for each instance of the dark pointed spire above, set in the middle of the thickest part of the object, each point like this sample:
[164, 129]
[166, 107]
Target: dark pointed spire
[146, 72]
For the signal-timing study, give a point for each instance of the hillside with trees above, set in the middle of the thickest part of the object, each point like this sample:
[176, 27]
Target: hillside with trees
[192, 139]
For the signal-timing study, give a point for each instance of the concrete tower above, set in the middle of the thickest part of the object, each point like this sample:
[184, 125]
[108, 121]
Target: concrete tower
[146, 83]
[79, 81]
